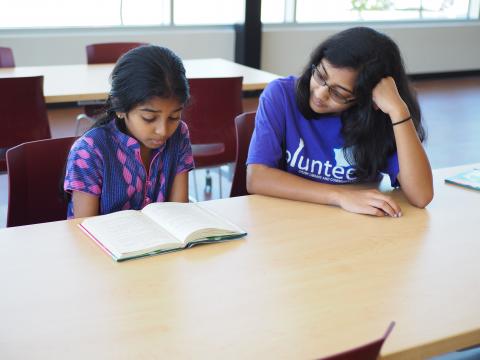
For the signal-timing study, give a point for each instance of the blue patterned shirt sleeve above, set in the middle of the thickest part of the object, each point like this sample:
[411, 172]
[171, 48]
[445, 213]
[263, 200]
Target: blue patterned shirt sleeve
[84, 167]
[185, 157]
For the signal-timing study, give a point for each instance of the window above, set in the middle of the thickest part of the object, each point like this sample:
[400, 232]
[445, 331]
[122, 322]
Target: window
[273, 11]
[74, 13]
[145, 12]
[208, 12]
[58, 13]
[311, 11]
[98, 13]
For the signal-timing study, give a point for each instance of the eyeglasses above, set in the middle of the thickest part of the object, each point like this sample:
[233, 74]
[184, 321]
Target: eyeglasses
[335, 94]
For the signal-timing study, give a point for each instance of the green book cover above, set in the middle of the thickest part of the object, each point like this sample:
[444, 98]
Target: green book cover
[469, 179]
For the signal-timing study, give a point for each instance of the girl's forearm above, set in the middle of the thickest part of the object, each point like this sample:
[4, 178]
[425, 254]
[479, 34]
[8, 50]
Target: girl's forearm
[415, 174]
[274, 182]
[264, 180]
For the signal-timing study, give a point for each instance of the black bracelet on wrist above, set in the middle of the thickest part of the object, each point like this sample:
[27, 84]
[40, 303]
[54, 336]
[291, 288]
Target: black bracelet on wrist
[402, 121]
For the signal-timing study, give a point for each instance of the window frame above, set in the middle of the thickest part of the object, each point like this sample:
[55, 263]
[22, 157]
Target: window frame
[290, 19]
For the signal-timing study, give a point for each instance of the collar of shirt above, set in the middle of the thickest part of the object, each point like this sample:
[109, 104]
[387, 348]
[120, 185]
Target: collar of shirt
[129, 142]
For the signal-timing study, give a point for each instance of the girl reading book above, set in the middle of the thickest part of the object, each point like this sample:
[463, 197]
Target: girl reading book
[350, 117]
[139, 152]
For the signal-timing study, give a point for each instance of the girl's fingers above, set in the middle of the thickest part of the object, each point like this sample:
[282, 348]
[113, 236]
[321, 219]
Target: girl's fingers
[383, 206]
[370, 202]
[372, 210]
[394, 205]
[386, 203]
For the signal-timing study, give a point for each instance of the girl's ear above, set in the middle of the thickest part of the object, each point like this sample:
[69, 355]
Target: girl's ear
[120, 115]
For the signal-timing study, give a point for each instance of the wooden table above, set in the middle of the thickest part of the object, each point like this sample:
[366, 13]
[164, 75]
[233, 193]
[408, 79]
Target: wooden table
[71, 83]
[308, 281]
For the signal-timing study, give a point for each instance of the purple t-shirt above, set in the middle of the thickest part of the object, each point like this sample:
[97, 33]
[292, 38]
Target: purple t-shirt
[313, 149]
[107, 163]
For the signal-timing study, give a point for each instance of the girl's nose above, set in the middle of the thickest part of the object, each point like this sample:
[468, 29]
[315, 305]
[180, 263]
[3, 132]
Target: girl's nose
[161, 129]
[321, 92]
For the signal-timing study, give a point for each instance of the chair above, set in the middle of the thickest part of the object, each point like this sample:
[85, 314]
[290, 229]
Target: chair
[244, 125]
[6, 57]
[103, 53]
[106, 53]
[35, 170]
[370, 351]
[23, 113]
[214, 104]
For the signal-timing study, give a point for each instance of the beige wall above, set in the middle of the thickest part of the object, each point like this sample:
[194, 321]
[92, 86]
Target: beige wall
[51, 47]
[426, 48]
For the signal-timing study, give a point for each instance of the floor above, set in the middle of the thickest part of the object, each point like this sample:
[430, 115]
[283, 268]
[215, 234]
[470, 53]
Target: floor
[452, 117]
[450, 113]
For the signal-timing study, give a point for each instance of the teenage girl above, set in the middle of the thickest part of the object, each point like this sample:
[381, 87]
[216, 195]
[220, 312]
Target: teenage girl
[350, 117]
[140, 151]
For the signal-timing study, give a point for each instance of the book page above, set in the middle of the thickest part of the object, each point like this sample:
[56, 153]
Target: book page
[188, 221]
[129, 231]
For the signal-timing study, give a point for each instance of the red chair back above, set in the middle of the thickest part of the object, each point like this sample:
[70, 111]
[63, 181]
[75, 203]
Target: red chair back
[109, 52]
[370, 351]
[35, 170]
[23, 113]
[244, 126]
[6, 57]
[214, 104]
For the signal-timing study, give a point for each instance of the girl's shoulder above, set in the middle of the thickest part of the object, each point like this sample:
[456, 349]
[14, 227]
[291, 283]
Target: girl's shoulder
[280, 93]
[282, 88]
[182, 128]
[180, 133]
[94, 137]
[285, 85]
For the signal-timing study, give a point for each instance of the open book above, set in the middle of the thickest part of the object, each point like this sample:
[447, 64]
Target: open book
[157, 228]
[469, 179]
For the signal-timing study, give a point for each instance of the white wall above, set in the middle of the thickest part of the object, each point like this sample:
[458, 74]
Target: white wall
[426, 48]
[52, 47]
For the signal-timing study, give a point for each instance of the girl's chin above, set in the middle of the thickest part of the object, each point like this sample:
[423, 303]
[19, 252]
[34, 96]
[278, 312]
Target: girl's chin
[152, 144]
[319, 108]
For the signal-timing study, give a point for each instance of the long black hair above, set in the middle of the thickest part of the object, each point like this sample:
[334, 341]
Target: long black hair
[367, 132]
[140, 74]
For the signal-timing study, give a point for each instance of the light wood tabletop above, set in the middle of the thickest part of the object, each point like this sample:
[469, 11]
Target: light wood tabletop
[308, 281]
[71, 83]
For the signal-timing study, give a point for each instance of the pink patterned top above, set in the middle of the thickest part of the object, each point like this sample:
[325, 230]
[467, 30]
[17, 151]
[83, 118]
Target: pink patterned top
[106, 163]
